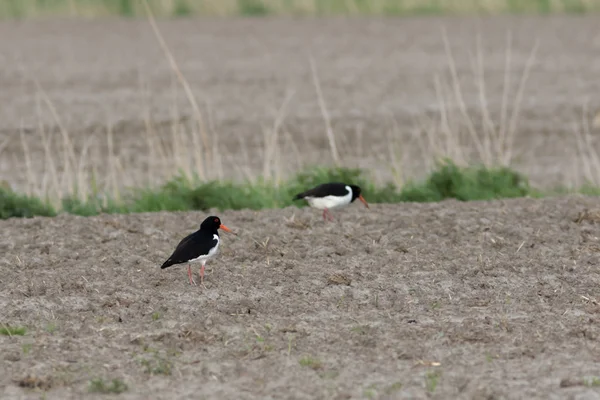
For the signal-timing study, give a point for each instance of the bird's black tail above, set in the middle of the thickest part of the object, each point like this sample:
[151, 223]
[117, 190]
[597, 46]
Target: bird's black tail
[299, 196]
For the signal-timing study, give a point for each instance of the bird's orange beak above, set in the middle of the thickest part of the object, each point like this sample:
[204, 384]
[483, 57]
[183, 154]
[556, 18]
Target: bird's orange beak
[226, 229]
[363, 201]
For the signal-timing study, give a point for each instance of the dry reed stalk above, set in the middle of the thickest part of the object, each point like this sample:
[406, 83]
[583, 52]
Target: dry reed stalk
[325, 114]
[217, 157]
[111, 185]
[493, 146]
[82, 174]
[505, 87]
[459, 96]
[271, 140]
[49, 159]
[69, 159]
[512, 126]
[588, 155]
[393, 145]
[32, 183]
[189, 94]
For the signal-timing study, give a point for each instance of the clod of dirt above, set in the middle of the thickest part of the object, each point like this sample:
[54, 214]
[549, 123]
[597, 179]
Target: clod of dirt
[12, 356]
[35, 382]
[590, 215]
[570, 382]
[301, 223]
[338, 279]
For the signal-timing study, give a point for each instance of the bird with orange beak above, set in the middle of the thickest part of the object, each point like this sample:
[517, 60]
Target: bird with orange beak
[329, 196]
[199, 246]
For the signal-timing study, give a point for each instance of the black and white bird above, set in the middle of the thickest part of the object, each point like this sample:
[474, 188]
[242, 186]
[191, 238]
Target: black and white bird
[199, 246]
[329, 196]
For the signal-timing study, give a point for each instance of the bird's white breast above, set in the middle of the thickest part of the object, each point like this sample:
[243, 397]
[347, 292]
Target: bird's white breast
[330, 202]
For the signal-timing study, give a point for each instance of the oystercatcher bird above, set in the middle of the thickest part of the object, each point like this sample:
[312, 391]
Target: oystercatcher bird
[199, 246]
[328, 196]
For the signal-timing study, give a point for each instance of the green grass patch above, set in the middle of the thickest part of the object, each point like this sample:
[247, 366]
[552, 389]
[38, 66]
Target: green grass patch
[446, 181]
[99, 385]
[8, 330]
[156, 365]
[473, 183]
[310, 362]
[432, 379]
[252, 7]
[26, 347]
[17, 205]
[592, 381]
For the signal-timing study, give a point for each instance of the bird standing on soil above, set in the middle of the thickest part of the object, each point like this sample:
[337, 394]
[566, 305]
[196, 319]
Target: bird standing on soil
[328, 196]
[199, 246]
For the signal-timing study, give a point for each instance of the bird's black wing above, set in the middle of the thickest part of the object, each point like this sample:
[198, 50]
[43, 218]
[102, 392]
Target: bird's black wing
[325, 189]
[192, 246]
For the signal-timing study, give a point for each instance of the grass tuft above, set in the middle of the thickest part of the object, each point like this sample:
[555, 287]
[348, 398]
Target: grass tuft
[156, 365]
[21, 206]
[432, 379]
[116, 386]
[182, 194]
[252, 8]
[470, 183]
[8, 330]
[311, 362]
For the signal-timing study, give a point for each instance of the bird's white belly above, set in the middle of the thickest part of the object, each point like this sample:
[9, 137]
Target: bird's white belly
[211, 253]
[329, 202]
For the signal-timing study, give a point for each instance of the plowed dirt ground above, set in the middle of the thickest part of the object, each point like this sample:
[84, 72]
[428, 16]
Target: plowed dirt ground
[481, 300]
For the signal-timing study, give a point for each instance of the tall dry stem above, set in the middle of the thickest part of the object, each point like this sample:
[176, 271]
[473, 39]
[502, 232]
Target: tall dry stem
[190, 95]
[325, 114]
[512, 126]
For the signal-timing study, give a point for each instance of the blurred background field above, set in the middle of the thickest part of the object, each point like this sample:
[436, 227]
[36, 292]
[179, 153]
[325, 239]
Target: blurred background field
[170, 8]
[103, 113]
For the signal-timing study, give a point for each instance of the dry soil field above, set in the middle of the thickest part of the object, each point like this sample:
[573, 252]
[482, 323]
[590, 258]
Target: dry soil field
[451, 300]
[372, 72]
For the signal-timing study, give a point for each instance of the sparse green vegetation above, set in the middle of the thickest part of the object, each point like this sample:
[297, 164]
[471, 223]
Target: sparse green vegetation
[371, 391]
[26, 348]
[17, 205]
[393, 388]
[51, 327]
[432, 379]
[310, 362]
[447, 181]
[8, 330]
[156, 364]
[116, 386]
[181, 194]
[169, 8]
[156, 316]
[592, 381]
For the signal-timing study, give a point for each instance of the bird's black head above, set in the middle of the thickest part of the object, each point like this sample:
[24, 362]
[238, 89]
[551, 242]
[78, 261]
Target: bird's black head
[356, 194]
[213, 224]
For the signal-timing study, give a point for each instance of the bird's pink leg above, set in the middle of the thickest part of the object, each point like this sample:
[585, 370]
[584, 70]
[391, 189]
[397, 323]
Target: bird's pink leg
[191, 278]
[327, 214]
[202, 276]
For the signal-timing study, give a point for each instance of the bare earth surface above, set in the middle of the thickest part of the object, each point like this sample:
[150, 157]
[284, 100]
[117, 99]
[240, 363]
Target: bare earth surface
[450, 300]
[372, 72]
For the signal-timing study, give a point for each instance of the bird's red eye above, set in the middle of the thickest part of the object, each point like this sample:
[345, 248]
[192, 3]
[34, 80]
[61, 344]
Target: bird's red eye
[216, 219]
